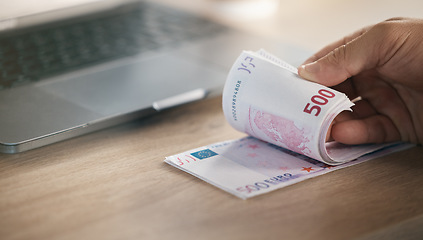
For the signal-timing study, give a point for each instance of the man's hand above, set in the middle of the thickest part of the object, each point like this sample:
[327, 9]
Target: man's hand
[382, 64]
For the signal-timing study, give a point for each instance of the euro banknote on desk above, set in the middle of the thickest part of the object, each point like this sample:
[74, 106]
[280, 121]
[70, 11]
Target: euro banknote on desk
[287, 119]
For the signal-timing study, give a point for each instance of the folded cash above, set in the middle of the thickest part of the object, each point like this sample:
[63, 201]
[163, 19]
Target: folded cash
[287, 119]
[265, 98]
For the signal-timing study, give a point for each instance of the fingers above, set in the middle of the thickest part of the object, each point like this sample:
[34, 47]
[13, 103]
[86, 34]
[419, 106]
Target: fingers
[335, 66]
[374, 129]
[362, 109]
[323, 52]
[365, 64]
[369, 48]
[340, 64]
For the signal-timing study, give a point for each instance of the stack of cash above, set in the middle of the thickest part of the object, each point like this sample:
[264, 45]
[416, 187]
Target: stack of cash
[287, 119]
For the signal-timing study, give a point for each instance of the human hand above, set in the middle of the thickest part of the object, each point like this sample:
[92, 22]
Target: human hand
[382, 64]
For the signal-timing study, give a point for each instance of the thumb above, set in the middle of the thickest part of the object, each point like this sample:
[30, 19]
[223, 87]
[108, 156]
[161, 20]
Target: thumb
[344, 61]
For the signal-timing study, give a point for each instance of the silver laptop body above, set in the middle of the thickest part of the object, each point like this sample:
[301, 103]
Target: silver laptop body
[74, 69]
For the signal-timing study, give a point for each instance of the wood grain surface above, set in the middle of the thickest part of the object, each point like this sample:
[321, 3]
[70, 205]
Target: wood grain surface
[113, 184]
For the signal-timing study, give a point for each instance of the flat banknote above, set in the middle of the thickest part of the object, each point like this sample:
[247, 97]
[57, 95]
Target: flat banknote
[248, 167]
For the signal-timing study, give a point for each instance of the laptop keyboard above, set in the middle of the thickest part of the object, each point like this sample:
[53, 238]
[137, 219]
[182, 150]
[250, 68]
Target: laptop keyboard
[31, 56]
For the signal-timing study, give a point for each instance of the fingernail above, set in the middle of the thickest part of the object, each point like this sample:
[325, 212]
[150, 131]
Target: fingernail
[312, 67]
[308, 71]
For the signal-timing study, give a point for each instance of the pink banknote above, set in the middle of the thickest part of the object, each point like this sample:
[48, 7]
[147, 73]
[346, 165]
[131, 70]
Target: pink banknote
[265, 98]
[287, 119]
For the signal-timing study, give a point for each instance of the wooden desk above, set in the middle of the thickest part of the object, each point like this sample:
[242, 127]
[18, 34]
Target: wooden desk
[113, 184]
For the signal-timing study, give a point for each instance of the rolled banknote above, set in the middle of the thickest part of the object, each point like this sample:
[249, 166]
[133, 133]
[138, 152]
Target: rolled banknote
[265, 98]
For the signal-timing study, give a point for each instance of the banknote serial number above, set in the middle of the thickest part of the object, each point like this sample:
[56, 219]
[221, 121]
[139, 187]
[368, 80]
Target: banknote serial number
[318, 100]
[257, 186]
[234, 98]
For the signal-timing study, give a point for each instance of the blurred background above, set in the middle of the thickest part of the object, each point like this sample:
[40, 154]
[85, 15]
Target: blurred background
[311, 24]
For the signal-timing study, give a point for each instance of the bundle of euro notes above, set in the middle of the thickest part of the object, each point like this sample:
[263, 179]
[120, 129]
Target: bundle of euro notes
[265, 98]
[287, 119]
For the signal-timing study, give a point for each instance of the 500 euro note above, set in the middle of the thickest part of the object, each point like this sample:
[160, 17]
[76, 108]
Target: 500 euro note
[287, 119]
[265, 98]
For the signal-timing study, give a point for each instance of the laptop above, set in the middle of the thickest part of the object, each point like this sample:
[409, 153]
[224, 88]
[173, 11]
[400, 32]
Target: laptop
[70, 67]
